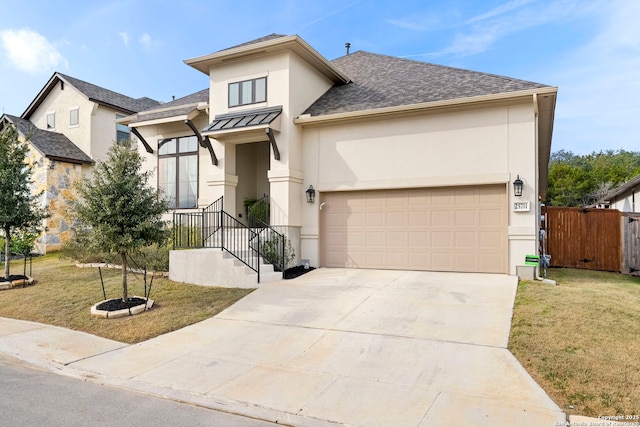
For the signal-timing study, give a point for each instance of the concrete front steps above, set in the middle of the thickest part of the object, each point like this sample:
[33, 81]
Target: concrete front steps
[215, 267]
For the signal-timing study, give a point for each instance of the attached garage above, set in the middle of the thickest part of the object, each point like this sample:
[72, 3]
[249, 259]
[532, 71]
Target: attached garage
[438, 229]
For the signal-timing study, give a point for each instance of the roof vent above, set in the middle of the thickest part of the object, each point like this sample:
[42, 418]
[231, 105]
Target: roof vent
[347, 45]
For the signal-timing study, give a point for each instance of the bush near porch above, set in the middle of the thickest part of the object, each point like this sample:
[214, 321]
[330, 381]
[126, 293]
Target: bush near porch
[580, 340]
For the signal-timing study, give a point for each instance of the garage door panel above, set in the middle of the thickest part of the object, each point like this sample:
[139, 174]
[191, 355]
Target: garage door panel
[440, 229]
[442, 239]
[465, 217]
[466, 239]
[441, 218]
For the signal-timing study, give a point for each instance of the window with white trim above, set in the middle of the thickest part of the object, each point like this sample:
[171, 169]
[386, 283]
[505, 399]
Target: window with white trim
[51, 120]
[74, 116]
[178, 171]
[248, 92]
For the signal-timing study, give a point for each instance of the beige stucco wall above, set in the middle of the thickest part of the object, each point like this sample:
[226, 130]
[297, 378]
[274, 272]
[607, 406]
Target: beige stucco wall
[489, 145]
[96, 129]
[628, 202]
[292, 84]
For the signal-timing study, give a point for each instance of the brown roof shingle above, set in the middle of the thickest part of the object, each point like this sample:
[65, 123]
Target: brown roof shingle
[51, 144]
[379, 81]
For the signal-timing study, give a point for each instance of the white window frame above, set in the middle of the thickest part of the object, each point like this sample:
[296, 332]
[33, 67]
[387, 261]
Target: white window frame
[77, 111]
[52, 115]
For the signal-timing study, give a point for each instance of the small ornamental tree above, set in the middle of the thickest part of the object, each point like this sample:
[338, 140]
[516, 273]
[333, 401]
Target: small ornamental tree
[124, 213]
[19, 207]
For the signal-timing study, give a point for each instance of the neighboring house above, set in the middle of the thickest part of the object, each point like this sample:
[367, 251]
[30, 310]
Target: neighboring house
[70, 125]
[413, 163]
[625, 197]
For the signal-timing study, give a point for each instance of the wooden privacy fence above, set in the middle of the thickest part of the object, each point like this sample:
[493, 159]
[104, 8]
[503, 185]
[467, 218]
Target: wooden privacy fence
[594, 239]
[631, 243]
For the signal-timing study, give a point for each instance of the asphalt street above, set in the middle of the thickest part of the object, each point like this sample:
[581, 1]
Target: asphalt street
[31, 397]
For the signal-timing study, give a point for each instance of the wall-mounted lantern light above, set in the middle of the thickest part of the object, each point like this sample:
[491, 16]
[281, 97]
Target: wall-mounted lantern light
[517, 187]
[311, 194]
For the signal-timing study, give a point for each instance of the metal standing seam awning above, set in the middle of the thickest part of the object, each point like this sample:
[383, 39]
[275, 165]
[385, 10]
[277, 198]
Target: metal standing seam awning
[246, 119]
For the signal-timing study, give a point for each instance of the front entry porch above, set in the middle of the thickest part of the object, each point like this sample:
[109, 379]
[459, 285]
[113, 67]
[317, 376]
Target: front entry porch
[223, 251]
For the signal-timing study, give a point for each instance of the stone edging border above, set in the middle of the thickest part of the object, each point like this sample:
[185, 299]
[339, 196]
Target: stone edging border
[119, 267]
[15, 283]
[104, 314]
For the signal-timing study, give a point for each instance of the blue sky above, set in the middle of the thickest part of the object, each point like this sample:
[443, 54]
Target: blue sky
[590, 49]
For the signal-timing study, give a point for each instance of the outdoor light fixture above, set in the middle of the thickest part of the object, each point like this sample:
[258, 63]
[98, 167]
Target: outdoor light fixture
[517, 187]
[311, 194]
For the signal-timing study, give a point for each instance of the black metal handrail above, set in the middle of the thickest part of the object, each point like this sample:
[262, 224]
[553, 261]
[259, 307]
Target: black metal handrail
[212, 227]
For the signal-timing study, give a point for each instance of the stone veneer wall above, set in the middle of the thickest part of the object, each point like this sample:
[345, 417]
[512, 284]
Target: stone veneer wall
[57, 187]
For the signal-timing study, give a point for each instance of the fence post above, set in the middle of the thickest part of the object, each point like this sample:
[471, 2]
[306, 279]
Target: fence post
[258, 258]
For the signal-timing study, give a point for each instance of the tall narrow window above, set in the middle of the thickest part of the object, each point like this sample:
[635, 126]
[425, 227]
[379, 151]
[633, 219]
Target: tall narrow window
[122, 131]
[74, 116]
[248, 92]
[51, 120]
[178, 171]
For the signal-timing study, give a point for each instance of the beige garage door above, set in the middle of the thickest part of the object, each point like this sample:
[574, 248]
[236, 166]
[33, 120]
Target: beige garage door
[438, 229]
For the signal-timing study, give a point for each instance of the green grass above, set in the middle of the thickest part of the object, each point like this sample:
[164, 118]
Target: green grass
[63, 295]
[580, 340]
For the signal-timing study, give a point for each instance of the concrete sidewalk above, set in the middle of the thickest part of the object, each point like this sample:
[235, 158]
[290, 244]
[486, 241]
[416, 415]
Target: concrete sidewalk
[335, 346]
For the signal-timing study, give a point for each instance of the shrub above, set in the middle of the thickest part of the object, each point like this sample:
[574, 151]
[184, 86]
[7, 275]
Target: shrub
[272, 252]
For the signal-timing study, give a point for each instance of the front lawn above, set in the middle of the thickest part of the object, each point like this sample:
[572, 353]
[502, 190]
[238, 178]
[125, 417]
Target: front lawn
[63, 295]
[580, 340]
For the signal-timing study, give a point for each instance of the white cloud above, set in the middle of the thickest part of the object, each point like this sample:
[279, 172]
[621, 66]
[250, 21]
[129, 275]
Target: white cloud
[599, 89]
[29, 51]
[489, 27]
[407, 24]
[146, 41]
[507, 7]
[125, 37]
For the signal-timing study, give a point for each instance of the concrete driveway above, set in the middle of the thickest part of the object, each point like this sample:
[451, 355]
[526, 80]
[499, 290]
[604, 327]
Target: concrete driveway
[355, 347]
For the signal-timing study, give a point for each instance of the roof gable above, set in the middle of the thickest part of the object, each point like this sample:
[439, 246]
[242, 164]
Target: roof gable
[94, 93]
[632, 184]
[379, 81]
[52, 145]
[266, 46]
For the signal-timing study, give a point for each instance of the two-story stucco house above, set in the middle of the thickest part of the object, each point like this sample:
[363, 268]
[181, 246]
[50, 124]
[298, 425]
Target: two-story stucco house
[70, 125]
[412, 165]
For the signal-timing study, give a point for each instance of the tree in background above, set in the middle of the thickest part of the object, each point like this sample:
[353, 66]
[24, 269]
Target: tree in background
[583, 180]
[123, 211]
[20, 209]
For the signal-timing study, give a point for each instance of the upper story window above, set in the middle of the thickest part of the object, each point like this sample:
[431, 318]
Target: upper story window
[248, 92]
[74, 116]
[123, 132]
[51, 120]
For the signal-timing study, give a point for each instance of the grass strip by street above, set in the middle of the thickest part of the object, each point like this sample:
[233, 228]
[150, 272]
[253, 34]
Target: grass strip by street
[63, 295]
[580, 340]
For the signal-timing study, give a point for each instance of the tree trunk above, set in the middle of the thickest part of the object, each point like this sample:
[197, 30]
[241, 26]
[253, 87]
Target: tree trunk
[7, 246]
[125, 291]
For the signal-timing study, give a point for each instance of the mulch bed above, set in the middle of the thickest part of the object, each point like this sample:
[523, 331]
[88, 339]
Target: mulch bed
[13, 277]
[293, 272]
[118, 304]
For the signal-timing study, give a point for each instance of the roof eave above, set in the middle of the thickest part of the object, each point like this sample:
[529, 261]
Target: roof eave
[293, 43]
[44, 92]
[171, 119]
[307, 119]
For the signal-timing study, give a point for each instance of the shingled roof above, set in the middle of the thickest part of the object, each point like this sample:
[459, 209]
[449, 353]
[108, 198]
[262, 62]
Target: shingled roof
[97, 94]
[258, 40]
[52, 145]
[177, 107]
[379, 81]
